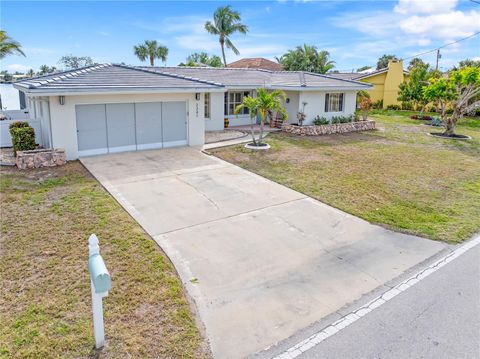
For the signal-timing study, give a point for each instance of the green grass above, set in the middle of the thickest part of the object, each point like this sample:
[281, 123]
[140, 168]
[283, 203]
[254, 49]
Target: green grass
[47, 216]
[396, 176]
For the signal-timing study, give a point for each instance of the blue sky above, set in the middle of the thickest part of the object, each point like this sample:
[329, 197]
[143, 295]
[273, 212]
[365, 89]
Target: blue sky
[355, 32]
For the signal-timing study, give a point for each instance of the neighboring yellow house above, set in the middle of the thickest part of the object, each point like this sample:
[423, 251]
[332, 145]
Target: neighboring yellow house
[385, 82]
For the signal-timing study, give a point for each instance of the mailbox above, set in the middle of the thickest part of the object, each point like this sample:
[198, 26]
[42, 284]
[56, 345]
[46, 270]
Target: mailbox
[100, 283]
[99, 274]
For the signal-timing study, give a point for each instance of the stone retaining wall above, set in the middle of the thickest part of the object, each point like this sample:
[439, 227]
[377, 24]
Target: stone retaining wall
[315, 130]
[41, 158]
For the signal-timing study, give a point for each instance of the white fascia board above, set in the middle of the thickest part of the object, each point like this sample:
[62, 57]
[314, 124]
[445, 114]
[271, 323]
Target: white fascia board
[67, 92]
[322, 88]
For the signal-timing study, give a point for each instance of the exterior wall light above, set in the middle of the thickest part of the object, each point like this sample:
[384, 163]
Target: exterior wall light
[61, 99]
[197, 96]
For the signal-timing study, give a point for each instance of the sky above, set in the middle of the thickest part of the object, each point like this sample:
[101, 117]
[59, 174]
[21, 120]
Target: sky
[355, 33]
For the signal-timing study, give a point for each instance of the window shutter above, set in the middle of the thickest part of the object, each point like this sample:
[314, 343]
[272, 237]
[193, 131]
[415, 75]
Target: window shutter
[327, 100]
[341, 103]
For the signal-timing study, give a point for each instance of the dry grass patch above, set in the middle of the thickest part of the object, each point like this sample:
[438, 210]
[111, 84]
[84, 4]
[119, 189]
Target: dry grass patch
[45, 307]
[396, 176]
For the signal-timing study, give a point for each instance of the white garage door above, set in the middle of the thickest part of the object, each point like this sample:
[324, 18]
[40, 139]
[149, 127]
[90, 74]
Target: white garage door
[109, 128]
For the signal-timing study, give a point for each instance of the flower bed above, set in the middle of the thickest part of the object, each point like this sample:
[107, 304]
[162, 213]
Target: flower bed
[315, 130]
[41, 158]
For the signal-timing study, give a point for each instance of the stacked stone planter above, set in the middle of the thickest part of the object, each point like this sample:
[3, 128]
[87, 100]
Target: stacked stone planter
[314, 130]
[41, 158]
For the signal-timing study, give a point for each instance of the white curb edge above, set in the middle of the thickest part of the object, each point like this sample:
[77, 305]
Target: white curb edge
[353, 316]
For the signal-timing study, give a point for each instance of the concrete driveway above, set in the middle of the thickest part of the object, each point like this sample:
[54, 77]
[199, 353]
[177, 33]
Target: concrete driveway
[267, 261]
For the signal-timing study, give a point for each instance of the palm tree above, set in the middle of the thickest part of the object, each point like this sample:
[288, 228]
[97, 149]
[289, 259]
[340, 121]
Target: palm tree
[151, 50]
[225, 23]
[307, 58]
[265, 102]
[8, 46]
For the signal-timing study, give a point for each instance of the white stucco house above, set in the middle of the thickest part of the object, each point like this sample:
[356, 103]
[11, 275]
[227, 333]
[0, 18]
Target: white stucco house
[111, 108]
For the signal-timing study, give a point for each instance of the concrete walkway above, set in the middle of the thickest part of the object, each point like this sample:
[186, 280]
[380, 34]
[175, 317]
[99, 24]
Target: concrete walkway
[261, 261]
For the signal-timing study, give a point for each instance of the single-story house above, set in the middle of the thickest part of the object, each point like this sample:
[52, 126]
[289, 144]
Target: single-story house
[256, 63]
[385, 82]
[111, 108]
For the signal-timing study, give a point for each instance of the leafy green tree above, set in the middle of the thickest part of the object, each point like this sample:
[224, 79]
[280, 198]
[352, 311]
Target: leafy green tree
[202, 58]
[363, 68]
[30, 73]
[382, 62]
[411, 90]
[9, 46]
[461, 89]
[151, 50]
[469, 63]
[416, 62]
[225, 23]
[45, 69]
[307, 58]
[75, 62]
[7, 77]
[266, 102]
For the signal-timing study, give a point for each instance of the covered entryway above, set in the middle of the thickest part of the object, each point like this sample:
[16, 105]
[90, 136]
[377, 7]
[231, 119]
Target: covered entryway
[119, 127]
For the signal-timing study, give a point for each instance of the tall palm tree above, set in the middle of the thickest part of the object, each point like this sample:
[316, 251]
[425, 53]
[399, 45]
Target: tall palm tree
[151, 50]
[225, 23]
[9, 46]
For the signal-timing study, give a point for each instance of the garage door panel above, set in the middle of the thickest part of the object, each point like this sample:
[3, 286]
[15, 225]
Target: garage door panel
[148, 118]
[91, 129]
[120, 127]
[174, 119]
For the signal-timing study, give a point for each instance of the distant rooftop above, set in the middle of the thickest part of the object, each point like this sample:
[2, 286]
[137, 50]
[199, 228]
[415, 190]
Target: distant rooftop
[256, 63]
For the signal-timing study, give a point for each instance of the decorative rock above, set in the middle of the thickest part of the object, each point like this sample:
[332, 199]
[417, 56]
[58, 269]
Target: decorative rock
[41, 158]
[314, 130]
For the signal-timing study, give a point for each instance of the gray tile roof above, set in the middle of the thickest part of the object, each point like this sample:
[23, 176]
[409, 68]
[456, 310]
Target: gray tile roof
[118, 78]
[107, 77]
[234, 77]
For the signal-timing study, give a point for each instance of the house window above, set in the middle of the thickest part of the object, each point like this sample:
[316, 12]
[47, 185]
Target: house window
[334, 102]
[233, 99]
[207, 105]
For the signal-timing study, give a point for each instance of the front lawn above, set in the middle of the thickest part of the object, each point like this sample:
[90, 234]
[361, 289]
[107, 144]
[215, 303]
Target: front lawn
[396, 176]
[45, 306]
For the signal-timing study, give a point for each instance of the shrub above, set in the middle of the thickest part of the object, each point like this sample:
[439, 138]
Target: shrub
[342, 119]
[320, 121]
[394, 107]
[378, 105]
[365, 106]
[414, 117]
[23, 136]
[426, 118]
[407, 106]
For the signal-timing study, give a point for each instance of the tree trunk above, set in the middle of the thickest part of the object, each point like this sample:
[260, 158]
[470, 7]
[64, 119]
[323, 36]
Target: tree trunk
[262, 120]
[152, 60]
[252, 131]
[222, 45]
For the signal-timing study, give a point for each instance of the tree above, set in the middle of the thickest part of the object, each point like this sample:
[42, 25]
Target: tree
[225, 23]
[202, 58]
[415, 62]
[307, 58]
[382, 62]
[363, 68]
[8, 46]
[412, 90]
[30, 73]
[469, 63]
[75, 62]
[365, 106]
[7, 77]
[266, 102]
[45, 69]
[151, 50]
[461, 88]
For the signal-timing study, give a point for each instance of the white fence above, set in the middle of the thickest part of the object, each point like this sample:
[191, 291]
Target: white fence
[13, 116]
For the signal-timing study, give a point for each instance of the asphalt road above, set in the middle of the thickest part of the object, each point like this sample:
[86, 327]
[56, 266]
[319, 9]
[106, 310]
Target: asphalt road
[437, 318]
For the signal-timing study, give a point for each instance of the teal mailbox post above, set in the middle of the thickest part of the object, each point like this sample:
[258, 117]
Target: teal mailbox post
[100, 283]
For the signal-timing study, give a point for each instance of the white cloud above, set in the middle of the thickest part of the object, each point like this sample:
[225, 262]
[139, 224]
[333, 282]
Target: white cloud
[17, 67]
[104, 33]
[425, 6]
[423, 42]
[443, 26]
[37, 51]
[377, 23]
